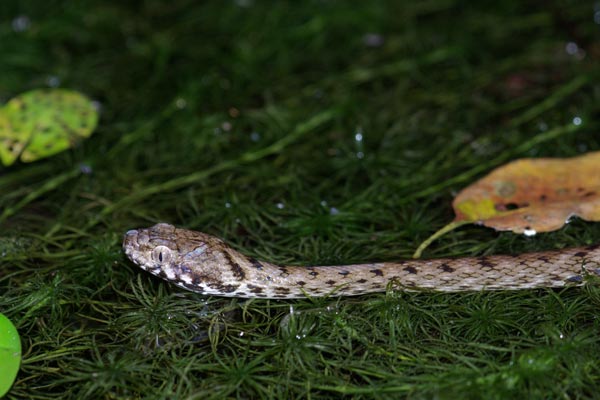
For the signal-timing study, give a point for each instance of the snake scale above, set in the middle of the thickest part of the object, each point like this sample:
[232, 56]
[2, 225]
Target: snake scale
[205, 264]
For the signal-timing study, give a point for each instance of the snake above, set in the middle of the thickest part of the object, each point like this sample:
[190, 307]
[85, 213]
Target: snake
[205, 264]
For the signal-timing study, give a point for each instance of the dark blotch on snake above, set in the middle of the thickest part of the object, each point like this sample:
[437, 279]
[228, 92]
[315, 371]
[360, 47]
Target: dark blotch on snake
[255, 289]
[255, 263]
[236, 270]
[485, 263]
[446, 268]
[410, 270]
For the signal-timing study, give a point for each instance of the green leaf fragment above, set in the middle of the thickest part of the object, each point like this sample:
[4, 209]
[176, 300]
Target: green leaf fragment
[10, 354]
[41, 123]
[10, 145]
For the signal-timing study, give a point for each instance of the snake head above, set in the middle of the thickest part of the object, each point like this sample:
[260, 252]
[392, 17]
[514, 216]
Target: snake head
[186, 258]
[153, 249]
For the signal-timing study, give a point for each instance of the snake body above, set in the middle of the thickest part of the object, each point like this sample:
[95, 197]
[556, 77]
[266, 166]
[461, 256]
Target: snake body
[205, 264]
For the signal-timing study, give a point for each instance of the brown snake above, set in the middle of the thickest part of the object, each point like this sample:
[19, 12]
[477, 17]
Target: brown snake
[205, 264]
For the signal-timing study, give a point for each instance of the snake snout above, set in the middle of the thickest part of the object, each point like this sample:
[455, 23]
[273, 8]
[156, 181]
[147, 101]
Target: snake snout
[130, 242]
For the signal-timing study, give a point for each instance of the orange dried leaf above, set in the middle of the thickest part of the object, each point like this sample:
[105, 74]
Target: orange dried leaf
[534, 195]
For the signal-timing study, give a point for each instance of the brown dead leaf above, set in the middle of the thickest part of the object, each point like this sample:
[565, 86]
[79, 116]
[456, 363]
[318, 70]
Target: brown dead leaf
[533, 195]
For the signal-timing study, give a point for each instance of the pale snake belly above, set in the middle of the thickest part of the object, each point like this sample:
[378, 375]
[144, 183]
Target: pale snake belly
[205, 264]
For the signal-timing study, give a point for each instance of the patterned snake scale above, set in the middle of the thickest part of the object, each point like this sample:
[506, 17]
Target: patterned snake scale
[205, 264]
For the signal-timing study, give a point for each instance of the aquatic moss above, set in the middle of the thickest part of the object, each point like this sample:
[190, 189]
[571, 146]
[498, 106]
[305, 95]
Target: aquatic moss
[318, 132]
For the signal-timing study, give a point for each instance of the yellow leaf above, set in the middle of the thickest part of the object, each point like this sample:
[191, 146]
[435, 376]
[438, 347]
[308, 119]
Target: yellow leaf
[534, 195]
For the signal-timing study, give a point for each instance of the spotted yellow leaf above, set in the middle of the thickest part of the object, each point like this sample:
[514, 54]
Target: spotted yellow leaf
[534, 195]
[529, 195]
[41, 123]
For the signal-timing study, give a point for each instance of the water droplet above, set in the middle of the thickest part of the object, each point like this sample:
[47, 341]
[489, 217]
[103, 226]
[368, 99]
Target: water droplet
[597, 17]
[577, 121]
[21, 23]
[571, 48]
[542, 126]
[226, 126]
[180, 103]
[358, 137]
[255, 136]
[241, 334]
[227, 204]
[281, 206]
[244, 3]
[334, 211]
[529, 232]
[53, 81]
[85, 169]
[373, 40]
[323, 203]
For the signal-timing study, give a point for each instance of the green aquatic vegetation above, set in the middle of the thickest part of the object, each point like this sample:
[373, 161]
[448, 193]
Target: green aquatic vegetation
[240, 119]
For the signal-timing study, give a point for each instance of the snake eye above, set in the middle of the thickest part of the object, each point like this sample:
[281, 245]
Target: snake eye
[161, 254]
